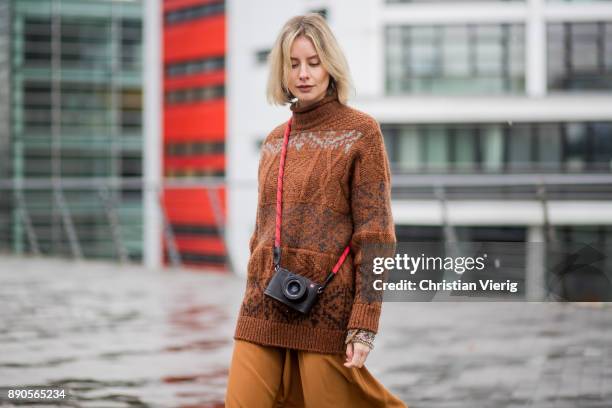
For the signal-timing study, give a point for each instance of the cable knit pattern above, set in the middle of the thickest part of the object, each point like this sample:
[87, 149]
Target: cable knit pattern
[336, 191]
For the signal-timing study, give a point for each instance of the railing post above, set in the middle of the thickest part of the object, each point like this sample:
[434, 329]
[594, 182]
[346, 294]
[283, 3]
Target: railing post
[450, 237]
[535, 276]
[75, 246]
[27, 222]
[213, 196]
[169, 239]
[113, 221]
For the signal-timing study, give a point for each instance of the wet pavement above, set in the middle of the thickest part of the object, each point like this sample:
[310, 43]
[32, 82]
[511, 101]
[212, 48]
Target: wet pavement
[130, 337]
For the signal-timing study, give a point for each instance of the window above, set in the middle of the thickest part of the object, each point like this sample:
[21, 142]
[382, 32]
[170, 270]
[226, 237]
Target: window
[601, 145]
[191, 172]
[581, 251]
[455, 59]
[195, 12]
[131, 110]
[520, 147]
[580, 56]
[196, 66]
[178, 149]
[37, 41]
[409, 149]
[576, 146]
[131, 44]
[86, 43]
[464, 148]
[195, 230]
[86, 163]
[492, 147]
[195, 94]
[435, 147]
[322, 12]
[498, 148]
[131, 164]
[549, 145]
[261, 56]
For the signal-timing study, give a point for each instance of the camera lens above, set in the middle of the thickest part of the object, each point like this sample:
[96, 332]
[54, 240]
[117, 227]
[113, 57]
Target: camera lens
[294, 289]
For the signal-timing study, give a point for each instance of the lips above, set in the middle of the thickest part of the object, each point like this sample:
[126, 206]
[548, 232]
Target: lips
[304, 88]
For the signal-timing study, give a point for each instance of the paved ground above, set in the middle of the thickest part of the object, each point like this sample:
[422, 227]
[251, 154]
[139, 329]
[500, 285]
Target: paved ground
[130, 337]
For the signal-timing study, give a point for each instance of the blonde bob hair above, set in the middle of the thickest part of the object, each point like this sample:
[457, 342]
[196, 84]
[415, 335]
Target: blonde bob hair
[314, 27]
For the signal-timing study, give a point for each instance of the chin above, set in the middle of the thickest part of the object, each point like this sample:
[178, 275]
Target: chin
[310, 96]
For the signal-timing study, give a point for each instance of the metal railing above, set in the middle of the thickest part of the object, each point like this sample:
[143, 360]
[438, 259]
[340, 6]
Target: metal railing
[81, 217]
[59, 221]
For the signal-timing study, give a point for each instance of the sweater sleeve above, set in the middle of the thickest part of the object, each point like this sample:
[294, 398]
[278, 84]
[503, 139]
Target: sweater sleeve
[253, 238]
[254, 234]
[373, 227]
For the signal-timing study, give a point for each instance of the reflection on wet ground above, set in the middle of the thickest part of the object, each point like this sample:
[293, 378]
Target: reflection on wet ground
[130, 337]
[117, 336]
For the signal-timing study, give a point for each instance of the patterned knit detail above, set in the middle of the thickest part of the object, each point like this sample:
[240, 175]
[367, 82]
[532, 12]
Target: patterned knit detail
[329, 139]
[360, 336]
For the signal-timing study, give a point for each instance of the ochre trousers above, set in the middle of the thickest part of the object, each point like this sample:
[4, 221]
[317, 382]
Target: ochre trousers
[271, 377]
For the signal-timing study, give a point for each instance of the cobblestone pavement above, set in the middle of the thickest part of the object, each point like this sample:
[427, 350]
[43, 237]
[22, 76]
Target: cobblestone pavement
[130, 337]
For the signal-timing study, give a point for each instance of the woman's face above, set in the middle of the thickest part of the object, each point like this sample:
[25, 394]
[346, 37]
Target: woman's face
[308, 80]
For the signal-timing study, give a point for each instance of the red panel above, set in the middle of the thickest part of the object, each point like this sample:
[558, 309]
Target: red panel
[191, 205]
[179, 4]
[195, 39]
[198, 120]
[193, 81]
[207, 245]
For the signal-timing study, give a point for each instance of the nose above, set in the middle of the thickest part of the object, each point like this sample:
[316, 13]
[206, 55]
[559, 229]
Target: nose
[303, 74]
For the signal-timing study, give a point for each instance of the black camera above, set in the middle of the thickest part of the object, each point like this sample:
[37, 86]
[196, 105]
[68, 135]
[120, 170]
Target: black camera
[293, 290]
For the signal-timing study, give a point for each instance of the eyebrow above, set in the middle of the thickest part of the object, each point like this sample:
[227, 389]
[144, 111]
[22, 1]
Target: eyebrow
[312, 56]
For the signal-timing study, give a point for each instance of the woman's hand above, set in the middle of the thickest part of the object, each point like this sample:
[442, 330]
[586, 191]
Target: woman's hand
[356, 354]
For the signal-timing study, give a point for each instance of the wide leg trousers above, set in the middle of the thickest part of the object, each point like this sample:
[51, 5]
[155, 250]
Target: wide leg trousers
[271, 377]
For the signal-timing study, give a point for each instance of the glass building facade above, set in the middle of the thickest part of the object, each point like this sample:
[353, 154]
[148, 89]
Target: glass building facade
[5, 124]
[580, 56]
[551, 156]
[455, 59]
[557, 147]
[488, 59]
[75, 132]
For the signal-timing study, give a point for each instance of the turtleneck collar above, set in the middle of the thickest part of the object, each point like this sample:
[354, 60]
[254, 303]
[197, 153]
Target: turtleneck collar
[315, 114]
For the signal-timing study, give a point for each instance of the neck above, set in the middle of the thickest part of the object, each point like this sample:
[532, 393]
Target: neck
[301, 104]
[315, 113]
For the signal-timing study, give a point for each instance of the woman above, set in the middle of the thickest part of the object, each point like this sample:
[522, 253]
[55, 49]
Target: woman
[335, 192]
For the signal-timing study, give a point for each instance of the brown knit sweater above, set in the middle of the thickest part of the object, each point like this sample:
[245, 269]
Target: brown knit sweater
[336, 192]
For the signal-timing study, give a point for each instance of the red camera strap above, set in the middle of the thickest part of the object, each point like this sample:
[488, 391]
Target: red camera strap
[279, 195]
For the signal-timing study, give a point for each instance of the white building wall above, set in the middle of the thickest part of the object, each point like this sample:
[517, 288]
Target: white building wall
[251, 27]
